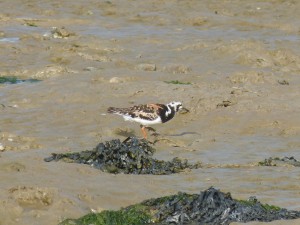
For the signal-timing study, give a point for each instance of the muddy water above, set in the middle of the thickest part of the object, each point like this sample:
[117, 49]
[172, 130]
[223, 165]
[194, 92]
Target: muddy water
[244, 56]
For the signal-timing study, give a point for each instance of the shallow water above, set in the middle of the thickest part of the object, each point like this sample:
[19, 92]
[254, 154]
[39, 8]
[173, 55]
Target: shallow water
[237, 54]
[12, 39]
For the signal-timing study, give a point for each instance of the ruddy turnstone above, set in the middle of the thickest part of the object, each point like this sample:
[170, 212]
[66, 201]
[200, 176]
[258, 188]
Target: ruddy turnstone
[149, 114]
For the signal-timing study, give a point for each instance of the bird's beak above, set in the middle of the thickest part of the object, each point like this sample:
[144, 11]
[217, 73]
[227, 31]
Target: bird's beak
[183, 110]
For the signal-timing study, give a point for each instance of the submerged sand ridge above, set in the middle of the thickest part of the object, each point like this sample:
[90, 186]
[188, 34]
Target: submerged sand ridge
[242, 61]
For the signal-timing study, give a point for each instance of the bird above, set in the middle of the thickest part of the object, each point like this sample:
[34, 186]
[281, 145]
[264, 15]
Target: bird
[148, 114]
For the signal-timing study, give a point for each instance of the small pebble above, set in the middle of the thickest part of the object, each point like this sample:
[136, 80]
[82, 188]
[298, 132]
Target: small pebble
[283, 82]
[14, 106]
[115, 80]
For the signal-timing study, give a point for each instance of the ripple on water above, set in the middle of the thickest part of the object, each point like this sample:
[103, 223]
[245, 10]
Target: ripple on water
[10, 39]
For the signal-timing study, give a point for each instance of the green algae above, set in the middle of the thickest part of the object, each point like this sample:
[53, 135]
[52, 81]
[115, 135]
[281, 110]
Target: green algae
[251, 203]
[15, 80]
[133, 215]
[142, 213]
[8, 79]
[271, 207]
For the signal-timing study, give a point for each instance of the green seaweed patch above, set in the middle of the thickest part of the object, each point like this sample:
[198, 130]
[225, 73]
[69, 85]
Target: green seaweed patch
[132, 215]
[7, 79]
[251, 203]
[177, 82]
[15, 80]
[271, 207]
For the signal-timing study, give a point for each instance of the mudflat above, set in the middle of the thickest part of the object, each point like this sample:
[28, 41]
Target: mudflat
[234, 64]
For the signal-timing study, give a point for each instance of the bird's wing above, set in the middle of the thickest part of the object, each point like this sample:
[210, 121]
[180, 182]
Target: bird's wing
[149, 112]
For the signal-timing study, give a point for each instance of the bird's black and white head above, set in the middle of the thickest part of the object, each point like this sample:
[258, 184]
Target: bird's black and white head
[175, 106]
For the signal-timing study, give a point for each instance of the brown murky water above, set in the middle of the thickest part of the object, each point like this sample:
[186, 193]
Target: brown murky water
[243, 55]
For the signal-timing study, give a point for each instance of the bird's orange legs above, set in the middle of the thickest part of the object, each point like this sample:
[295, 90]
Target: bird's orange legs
[144, 131]
[143, 128]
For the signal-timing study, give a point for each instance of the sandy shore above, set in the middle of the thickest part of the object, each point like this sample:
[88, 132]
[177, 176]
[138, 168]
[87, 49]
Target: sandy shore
[243, 63]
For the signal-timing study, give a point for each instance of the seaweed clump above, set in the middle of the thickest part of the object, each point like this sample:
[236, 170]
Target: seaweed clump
[285, 161]
[209, 207]
[214, 207]
[132, 156]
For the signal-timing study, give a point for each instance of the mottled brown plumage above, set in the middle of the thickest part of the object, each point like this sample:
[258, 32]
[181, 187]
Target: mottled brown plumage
[148, 114]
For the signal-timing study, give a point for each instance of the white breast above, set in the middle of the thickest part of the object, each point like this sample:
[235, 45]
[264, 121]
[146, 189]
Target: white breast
[169, 111]
[142, 121]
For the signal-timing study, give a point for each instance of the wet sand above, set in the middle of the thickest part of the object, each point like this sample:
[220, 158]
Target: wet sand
[243, 60]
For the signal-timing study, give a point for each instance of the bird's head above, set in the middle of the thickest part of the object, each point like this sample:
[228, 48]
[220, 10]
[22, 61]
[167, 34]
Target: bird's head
[175, 105]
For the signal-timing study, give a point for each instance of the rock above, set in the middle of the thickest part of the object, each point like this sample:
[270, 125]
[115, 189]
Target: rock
[59, 33]
[116, 80]
[283, 82]
[146, 67]
[2, 147]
